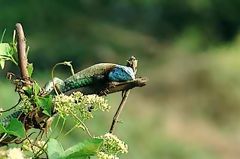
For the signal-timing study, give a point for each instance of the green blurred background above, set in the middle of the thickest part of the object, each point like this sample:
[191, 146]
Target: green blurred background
[189, 50]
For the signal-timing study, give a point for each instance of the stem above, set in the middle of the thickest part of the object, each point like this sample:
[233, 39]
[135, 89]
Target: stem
[85, 127]
[70, 130]
[14, 61]
[4, 31]
[54, 87]
[42, 148]
[11, 107]
[14, 36]
[119, 110]
[55, 127]
[63, 124]
[2, 138]
[21, 49]
[53, 69]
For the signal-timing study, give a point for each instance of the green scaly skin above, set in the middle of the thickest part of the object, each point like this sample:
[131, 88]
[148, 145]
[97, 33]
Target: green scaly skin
[86, 76]
[76, 83]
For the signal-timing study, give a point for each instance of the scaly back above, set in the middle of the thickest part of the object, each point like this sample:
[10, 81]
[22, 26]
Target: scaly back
[96, 69]
[86, 76]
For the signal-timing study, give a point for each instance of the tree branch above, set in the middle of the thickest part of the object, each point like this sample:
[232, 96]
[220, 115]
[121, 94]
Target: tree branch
[21, 49]
[119, 110]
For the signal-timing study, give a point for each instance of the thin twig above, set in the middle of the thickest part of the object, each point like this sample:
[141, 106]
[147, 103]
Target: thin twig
[2, 138]
[3, 34]
[119, 110]
[2, 111]
[80, 121]
[36, 155]
[132, 62]
[21, 48]
[63, 124]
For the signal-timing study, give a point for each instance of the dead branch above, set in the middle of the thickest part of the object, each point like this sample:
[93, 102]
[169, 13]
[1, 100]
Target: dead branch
[21, 49]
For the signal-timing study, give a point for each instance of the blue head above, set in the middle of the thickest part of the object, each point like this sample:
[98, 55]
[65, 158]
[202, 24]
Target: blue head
[121, 73]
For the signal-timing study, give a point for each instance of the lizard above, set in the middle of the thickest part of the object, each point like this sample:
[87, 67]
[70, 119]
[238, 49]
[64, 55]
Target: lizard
[98, 74]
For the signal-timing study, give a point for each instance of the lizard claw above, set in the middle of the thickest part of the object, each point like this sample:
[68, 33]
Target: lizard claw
[104, 92]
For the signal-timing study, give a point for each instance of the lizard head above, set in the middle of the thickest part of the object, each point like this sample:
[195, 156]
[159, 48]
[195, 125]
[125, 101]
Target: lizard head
[132, 62]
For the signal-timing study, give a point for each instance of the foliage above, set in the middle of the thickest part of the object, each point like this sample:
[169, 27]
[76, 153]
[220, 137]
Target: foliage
[6, 54]
[15, 127]
[82, 150]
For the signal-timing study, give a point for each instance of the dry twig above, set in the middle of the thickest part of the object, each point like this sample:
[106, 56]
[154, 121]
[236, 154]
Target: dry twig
[21, 49]
[119, 110]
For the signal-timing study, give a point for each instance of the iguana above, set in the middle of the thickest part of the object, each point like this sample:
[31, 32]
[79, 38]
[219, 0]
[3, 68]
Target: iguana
[98, 74]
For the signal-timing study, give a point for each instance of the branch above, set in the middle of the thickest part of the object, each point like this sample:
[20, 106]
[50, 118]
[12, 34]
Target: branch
[110, 87]
[21, 49]
[119, 110]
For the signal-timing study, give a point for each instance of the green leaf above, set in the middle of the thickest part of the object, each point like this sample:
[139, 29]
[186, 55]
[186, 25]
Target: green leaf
[54, 149]
[16, 128]
[83, 150]
[36, 88]
[28, 90]
[30, 69]
[46, 104]
[5, 49]
[6, 53]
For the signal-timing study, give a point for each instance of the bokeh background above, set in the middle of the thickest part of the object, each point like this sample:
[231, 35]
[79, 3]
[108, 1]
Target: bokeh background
[189, 50]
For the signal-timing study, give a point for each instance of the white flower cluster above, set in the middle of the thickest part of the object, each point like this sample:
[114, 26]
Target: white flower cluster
[79, 105]
[97, 102]
[111, 147]
[102, 155]
[15, 153]
[64, 105]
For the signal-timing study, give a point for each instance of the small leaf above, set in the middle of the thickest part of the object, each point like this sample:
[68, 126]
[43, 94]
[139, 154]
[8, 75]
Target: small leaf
[30, 69]
[54, 149]
[16, 128]
[46, 104]
[28, 90]
[5, 49]
[36, 88]
[83, 150]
